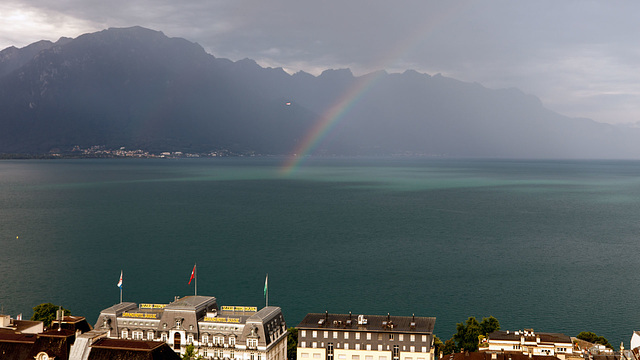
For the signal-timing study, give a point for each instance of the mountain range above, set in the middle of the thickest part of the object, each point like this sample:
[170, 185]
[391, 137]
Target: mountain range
[139, 89]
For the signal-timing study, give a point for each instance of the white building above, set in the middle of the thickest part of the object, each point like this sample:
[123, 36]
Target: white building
[230, 333]
[529, 342]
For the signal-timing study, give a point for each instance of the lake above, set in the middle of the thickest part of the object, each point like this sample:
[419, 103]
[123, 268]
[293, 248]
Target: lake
[548, 245]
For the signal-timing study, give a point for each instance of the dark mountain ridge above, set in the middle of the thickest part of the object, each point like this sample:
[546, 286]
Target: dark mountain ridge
[138, 88]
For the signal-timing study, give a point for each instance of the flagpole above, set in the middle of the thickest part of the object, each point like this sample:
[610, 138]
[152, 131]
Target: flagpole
[195, 277]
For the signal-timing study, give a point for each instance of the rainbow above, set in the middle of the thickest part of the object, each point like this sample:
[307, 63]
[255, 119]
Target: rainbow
[327, 121]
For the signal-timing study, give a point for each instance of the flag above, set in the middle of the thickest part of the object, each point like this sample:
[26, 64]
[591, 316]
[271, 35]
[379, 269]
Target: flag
[120, 281]
[19, 317]
[266, 279]
[193, 274]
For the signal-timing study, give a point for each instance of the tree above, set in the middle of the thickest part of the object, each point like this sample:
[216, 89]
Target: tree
[190, 353]
[489, 325]
[438, 345]
[466, 336]
[292, 343]
[449, 347]
[46, 313]
[593, 338]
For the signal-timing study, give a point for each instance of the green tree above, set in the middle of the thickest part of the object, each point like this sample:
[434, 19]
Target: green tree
[466, 336]
[190, 353]
[449, 347]
[593, 338]
[46, 313]
[437, 345]
[489, 325]
[292, 343]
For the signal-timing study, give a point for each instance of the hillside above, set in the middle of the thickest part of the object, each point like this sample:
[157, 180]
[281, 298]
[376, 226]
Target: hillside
[138, 88]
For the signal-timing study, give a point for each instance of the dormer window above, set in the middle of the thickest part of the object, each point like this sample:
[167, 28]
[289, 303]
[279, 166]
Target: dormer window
[252, 343]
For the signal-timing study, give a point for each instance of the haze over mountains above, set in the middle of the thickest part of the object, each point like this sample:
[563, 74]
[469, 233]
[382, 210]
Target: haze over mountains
[137, 88]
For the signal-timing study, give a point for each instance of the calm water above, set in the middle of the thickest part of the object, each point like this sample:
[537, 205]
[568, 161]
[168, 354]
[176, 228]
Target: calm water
[548, 245]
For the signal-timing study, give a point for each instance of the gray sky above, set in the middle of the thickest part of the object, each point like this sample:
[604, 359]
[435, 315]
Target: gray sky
[581, 58]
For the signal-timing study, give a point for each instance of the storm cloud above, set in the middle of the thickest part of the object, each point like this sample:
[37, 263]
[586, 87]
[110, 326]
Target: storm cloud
[579, 57]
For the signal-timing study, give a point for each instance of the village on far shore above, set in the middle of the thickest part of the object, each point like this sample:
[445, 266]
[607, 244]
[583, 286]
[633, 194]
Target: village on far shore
[197, 328]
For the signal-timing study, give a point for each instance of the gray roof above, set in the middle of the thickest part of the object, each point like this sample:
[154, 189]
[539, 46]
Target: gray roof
[265, 313]
[374, 323]
[190, 303]
[117, 309]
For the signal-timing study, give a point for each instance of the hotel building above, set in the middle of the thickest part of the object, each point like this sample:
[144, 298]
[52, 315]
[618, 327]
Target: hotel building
[365, 337]
[226, 333]
[529, 342]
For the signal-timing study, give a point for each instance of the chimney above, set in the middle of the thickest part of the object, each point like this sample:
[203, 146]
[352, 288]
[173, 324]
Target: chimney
[59, 315]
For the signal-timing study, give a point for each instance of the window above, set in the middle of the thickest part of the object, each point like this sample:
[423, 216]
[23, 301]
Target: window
[189, 339]
[204, 352]
[424, 338]
[314, 344]
[379, 347]
[252, 356]
[355, 357]
[390, 336]
[232, 340]
[401, 337]
[346, 346]
[368, 346]
[304, 355]
[396, 352]
[412, 337]
[232, 354]
[357, 346]
[205, 339]
[342, 356]
[314, 334]
[303, 344]
[326, 334]
[303, 333]
[357, 336]
[368, 357]
[379, 337]
[316, 356]
[164, 337]
[346, 335]
[335, 334]
[424, 349]
[252, 343]
[412, 348]
[125, 334]
[150, 335]
[368, 336]
[330, 351]
[382, 358]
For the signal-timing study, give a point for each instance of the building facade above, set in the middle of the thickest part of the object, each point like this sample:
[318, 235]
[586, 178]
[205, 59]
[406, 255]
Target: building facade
[365, 337]
[226, 333]
[530, 343]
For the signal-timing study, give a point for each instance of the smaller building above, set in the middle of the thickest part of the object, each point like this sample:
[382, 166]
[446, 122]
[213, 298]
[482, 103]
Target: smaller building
[7, 324]
[365, 337]
[529, 342]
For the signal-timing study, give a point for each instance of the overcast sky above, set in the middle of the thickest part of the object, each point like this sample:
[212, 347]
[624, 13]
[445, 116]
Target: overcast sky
[581, 58]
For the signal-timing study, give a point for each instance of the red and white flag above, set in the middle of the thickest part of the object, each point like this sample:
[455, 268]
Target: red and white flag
[19, 317]
[120, 281]
[193, 274]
